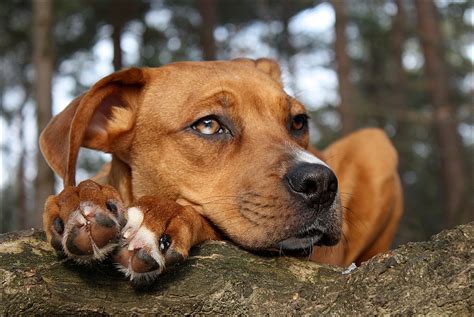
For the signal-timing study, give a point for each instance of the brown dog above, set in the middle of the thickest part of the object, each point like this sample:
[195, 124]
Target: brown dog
[224, 141]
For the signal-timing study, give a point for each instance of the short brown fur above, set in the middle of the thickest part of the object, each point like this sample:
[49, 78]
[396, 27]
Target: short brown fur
[142, 117]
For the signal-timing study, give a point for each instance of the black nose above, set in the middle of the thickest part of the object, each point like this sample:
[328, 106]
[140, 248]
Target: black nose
[315, 183]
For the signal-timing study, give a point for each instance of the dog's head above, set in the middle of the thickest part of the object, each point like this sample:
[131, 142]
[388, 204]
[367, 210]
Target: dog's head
[221, 136]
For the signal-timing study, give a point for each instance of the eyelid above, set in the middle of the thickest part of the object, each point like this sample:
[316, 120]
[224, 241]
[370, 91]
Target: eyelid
[305, 115]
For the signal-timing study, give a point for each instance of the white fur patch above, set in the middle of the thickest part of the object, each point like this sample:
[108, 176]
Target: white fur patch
[134, 221]
[140, 237]
[306, 157]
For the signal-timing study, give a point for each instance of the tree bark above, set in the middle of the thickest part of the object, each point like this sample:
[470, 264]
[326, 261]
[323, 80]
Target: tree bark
[453, 171]
[208, 11]
[343, 67]
[43, 61]
[431, 277]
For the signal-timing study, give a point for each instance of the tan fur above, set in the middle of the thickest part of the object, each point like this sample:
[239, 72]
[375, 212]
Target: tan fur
[142, 117]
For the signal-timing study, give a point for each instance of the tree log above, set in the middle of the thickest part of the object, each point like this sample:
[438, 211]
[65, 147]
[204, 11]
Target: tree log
[432, 277]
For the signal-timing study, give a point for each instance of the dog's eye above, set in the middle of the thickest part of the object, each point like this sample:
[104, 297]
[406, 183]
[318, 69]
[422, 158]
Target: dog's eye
[299, 122]
[209, 126]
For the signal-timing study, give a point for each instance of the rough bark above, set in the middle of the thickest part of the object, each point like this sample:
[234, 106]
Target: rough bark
[432, 277]
[453, 171]
[343, 68]
[208, 11]
[43, 61]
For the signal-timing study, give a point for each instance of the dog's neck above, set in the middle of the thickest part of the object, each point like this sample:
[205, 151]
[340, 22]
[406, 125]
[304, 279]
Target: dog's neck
[120, 177]
[117, 173]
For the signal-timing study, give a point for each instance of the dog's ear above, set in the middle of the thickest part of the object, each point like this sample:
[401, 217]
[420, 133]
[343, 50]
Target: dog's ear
[102, 118]
[266, 65]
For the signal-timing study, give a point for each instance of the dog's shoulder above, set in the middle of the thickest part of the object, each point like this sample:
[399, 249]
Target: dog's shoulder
[370, 145]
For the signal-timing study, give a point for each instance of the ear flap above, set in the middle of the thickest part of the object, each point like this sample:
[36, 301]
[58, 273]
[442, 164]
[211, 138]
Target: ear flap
[266, 65]
[102, 119]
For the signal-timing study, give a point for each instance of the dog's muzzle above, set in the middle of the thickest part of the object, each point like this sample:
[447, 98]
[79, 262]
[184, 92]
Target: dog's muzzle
[315, 186]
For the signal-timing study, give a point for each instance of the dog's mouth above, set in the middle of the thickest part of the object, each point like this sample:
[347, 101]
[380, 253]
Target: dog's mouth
[309, 237]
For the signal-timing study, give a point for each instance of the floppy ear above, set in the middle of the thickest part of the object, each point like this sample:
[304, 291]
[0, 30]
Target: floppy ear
[266, 65]
[102, 119]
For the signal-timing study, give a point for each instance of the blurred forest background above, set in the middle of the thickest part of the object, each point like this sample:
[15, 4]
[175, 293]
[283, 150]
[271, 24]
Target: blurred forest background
[403, 65]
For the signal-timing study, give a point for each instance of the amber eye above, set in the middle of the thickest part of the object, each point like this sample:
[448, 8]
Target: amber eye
[209, 126]
[299, 122]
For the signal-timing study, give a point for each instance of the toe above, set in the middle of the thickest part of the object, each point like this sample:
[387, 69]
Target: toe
[78, 242]
[103, 230]
[143, 262]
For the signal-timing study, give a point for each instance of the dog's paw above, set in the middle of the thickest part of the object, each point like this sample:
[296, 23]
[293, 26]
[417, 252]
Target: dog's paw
[157, 235]
[84, 222]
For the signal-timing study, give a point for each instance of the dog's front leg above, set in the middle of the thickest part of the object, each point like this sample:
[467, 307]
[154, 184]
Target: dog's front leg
[158, 234]
[88, 222]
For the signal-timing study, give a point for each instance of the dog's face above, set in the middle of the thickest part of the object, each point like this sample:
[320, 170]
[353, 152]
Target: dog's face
[225, 138]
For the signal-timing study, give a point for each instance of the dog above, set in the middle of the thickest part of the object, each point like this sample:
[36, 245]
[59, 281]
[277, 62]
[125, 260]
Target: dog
[213, 150]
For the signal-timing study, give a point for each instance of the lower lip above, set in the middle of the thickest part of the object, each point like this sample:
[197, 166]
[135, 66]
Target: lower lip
[298, 243]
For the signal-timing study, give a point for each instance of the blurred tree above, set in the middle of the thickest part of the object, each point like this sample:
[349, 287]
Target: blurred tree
[44, 63]
[124, 11]
[207, 10]
[343, 67]
[399, 80]
[399, 85]
[452, 170]
[15, 57]
[381, 45]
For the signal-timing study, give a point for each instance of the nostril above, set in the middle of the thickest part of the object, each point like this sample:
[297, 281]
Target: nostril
[309, 186]
[333, 186]
[315, 183]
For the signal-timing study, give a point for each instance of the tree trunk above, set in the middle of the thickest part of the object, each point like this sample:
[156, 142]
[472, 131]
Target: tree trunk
[399, 86]
[221, 279]
[117, 20]
[453, 171]
[343, 66]
[22, 210]
[116, 39]
[207, 10]
[21, 191]
[44, 61]
[286, 48]
[398, 38]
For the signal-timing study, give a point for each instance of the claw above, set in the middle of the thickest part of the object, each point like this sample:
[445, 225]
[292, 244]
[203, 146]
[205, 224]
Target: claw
[165, 242]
